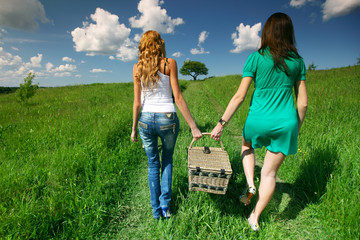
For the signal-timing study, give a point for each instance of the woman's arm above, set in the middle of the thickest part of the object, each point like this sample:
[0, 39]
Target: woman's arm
[233, 105]
[302, 101]
[180, 101]
[136, 104]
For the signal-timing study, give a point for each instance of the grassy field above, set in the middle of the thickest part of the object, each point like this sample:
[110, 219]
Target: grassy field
[68, 169]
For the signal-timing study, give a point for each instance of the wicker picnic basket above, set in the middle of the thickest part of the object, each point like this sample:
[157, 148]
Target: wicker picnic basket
[209, 168]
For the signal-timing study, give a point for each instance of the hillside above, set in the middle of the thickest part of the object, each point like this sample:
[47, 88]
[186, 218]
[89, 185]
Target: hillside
[69, 170]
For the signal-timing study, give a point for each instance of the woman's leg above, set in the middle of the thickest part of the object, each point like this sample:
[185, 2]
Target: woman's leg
[150, 141]
[248, 160]
[272, 163]
[168, 133]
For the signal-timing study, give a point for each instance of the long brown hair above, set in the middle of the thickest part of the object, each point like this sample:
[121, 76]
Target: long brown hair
[151, 51]
[278, 35]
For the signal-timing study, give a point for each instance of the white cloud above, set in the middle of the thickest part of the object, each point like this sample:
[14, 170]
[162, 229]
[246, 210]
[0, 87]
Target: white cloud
[246, 38]
[14, 48]
[202, 37]
[98, 70]
[8, 60]
[137, 37]
[336, 8]
[62, 70]
[36, 61]
[15, 65]
[67, 59]
[13, 69]
[65, 68]
[49, 66]
[111, 57]
[297, 3]
[195, 51]
[106, 37]
[153, 17]
[177, 54]
[22, 15]
[127, 51]
[103, 37]
[330, 8]
[62, 74]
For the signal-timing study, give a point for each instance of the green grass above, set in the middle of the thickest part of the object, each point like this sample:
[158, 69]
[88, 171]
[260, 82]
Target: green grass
[69, 170]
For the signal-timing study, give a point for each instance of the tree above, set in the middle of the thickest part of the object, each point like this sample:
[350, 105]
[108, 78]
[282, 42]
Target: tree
[27, 90]
[194, 69]
[358, 62]
[312, 67]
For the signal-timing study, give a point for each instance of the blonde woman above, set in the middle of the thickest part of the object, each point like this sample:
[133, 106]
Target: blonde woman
[155, 81]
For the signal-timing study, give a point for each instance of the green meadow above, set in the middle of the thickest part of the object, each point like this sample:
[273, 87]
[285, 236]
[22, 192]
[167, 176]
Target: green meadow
[68, 169]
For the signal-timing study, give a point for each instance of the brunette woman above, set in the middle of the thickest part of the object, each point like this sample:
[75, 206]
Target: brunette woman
[273, 122]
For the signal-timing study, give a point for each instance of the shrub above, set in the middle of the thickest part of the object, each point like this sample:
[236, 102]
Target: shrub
[27, 90]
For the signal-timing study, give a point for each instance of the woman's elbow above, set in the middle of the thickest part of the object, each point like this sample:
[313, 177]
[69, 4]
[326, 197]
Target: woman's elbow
[303, 105]
[137, 105]
[238, 99]
[178, 99]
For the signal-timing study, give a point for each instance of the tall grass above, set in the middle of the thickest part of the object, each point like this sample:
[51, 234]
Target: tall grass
[68, 169]
[65, 161]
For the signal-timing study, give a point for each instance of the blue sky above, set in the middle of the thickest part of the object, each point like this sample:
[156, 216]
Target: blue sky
[95, 41]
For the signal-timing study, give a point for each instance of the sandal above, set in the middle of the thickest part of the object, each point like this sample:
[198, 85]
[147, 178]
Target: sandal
[247, 195]
[254, 226]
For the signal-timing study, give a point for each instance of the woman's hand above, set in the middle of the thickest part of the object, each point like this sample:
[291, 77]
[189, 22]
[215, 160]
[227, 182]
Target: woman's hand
[134, 136]
[196, 133]
[217, 132]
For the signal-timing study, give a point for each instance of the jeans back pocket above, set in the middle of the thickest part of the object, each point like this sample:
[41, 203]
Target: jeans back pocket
[168, 127]
[143, 125]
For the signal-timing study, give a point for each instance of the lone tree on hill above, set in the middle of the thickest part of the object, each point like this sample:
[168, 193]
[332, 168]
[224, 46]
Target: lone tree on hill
[194, 69]
[26, 89]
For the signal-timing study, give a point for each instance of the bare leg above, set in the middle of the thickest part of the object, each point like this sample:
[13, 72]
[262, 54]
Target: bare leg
[272, 163]
[248, 159]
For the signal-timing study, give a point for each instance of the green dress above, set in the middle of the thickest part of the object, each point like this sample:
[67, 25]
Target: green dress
[272, 120]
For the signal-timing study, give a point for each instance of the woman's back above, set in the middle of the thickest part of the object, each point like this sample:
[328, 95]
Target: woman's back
[272, 119]
[159, 98]
[273, 95]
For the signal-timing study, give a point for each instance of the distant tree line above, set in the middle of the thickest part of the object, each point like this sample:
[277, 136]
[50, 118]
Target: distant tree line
[6, 90]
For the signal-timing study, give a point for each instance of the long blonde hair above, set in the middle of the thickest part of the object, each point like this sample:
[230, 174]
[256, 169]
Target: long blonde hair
[151, 51]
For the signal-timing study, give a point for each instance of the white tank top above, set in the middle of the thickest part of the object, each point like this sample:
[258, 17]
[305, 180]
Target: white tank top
[159, 99]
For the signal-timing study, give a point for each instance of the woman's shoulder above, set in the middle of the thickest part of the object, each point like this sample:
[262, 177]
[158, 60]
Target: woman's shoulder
[254, 56]
[171, 63]
[135, 66]
[170, 60]
[257, 54]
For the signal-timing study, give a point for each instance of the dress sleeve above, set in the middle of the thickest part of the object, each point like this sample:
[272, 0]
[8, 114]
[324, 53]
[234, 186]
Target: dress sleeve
[249, 69]
[302, 74]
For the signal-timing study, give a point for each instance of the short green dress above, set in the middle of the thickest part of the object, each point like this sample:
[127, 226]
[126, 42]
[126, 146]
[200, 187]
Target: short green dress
[272, 120]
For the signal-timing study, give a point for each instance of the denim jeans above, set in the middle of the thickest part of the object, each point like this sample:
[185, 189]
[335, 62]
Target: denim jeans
[166, 126]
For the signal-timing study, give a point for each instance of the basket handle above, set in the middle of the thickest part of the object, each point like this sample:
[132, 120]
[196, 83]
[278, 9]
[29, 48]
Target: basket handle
[221, 143]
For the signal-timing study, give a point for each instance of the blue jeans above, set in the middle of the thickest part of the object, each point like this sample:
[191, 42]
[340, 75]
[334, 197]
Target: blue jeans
[166, 126]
